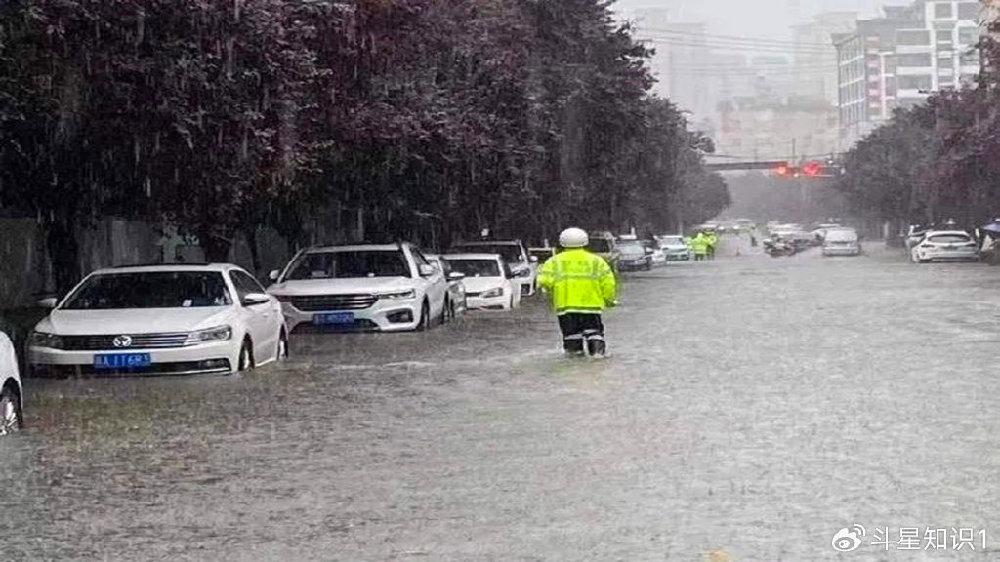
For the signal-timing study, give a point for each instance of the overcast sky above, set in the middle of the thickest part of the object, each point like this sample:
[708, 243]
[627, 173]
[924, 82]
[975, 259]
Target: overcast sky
[754, 18]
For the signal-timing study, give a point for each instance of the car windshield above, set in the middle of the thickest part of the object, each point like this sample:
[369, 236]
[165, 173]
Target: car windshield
[599, 245]
[948, 239]
[671, 241]
[150, 289]
[476, 268]
[349, 265]
[511, 253]
[631, 248]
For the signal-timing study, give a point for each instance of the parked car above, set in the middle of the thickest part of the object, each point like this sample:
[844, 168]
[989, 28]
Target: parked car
[456, 303]
[366, 287]
[675, 248]
[657, 255]
[11, 401]
[634, 256]
[604, 245]
[542, 254]
[841, 241]
[489, 281]
[522, 264]
[914, 234]
[160, 319]
[945, 245]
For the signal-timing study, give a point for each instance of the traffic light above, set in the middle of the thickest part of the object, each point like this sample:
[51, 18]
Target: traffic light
[811, 169]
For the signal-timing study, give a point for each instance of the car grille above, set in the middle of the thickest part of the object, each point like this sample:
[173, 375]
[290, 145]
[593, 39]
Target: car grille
[333, 302]
[139, 341]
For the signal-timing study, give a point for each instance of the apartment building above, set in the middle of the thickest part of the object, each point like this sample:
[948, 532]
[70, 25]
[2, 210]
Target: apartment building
[900, 59]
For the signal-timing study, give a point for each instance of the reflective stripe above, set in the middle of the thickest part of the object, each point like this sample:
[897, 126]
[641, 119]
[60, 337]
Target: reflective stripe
[595, 338]
[574, 337]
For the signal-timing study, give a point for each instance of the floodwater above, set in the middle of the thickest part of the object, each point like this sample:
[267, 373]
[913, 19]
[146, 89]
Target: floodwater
[752, 407]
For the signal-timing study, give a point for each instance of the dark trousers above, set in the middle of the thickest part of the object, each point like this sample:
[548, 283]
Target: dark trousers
[582, 329]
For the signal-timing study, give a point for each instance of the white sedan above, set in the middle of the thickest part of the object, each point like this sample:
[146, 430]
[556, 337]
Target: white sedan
[10, 388]
[160, 320]
[489, 282]
[952, 245]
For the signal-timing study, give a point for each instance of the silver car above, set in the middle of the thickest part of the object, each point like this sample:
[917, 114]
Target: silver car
[841, 241]
[952, 245]
[675, 248]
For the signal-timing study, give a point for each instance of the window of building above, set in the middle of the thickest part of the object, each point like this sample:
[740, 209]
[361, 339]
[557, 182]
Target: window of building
[890, 64]
[968, 35]
[968, 79]
[968, 11]
[913, 37]
[942, 10]
[944, 36]
[921, 82]
[969, 58]
[914, 59]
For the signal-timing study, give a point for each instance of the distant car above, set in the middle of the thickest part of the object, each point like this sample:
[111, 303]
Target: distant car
[522, 264]
[657, 255]
[160, 319]
[365, 287]
[11, 401]
[456, 303]
[675, 248]
[634, 256]
[542, 254]
[489, 281]
[914, 234]
[604, 245]
[841, 242]
[937, 245]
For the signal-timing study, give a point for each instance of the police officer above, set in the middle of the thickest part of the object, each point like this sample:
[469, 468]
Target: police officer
[581, 285]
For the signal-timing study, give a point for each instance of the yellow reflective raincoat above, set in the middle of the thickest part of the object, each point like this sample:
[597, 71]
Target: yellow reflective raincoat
[578, 281]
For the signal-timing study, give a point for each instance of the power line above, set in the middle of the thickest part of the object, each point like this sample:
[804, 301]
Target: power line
[731, 38]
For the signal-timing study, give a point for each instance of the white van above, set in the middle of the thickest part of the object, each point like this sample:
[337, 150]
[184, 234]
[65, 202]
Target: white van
[841, 242]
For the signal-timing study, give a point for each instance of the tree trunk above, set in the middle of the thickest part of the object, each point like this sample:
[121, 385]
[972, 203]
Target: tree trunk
[251, 236]
[216, 248]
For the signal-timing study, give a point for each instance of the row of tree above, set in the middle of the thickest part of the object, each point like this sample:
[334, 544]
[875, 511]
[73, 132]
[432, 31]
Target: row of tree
[934, 161]
[520, 116]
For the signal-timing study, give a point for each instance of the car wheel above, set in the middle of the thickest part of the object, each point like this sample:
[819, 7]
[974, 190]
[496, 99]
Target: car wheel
[425, 318]
[10, 411]
[282, 346]
[245, 362]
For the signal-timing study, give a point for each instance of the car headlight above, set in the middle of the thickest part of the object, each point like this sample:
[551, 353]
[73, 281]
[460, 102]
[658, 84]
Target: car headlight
[399, 295]
[492, 293]
[42, 339]
[220, 333]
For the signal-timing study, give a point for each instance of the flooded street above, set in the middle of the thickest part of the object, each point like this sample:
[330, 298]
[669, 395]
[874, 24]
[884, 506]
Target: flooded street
[751, 406]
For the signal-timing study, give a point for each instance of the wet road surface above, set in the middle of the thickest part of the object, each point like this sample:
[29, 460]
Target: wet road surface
[751, 408]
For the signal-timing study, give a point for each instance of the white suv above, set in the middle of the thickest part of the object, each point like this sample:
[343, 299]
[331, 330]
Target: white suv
[371, 287]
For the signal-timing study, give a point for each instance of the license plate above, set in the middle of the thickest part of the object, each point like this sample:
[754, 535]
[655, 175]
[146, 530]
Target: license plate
[334, 318]
[122, 361]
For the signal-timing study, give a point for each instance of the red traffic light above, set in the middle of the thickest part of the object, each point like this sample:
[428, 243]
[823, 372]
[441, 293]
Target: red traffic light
[811, 169]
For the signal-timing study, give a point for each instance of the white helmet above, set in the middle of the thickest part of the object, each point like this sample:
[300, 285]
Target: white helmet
[573, 238]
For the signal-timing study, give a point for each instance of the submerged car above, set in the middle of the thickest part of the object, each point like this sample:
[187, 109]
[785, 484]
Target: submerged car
[523, 265]
[840, 241]
[941, 245]
[604, 245]
[456, 303]
[367, 287]
[160, 319]
[489, 281]
[675, 248]
[542, 255]
[634, 256]
[11, 401]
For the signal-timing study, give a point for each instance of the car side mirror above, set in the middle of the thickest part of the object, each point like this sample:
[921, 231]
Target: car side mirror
[456, 276]
[252, 299]
[50, 302]
[426, 270]
[534, 259]
[275, 273]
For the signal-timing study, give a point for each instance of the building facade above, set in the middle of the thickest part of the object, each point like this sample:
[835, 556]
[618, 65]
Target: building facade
[902, 58]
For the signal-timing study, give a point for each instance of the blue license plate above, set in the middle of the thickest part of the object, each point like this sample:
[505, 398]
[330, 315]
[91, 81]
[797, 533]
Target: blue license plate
[112, 361]
[334, 318]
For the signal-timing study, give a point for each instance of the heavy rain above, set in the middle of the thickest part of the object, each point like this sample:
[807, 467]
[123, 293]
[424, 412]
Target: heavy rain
[499, 280]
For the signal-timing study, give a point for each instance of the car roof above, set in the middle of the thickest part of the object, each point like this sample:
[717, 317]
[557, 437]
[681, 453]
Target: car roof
[154, 267]
[930, 233]
[489, 243]
[483, 257]
[357, 248]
